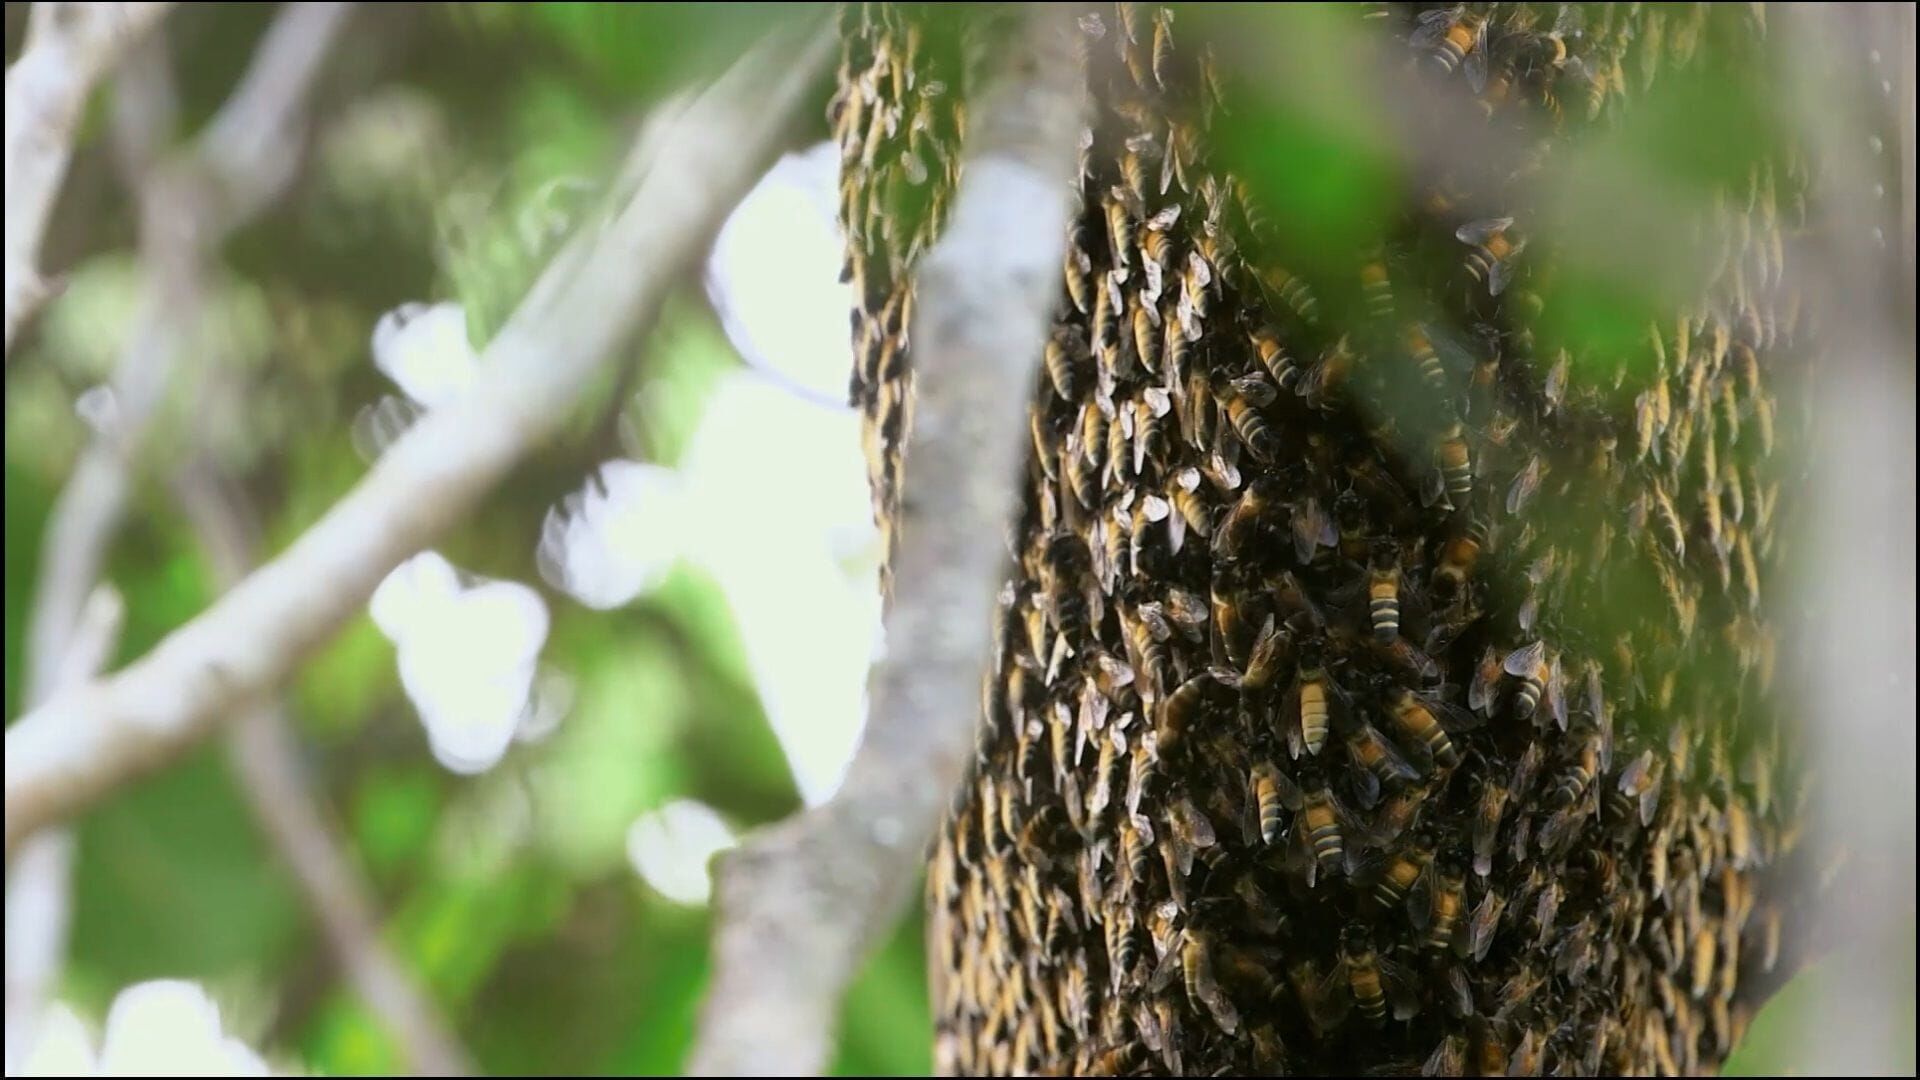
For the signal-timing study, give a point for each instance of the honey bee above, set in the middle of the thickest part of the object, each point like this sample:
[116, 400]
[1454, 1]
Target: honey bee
[1391, 877]
[1488, 809]
[1486, 677]
[1491, 251]
[1449, 1058]
[1060, 358]
[1453, 478]
[1309, 706]
[1268, 784]
[1484, 921]
[1078, 270]
[1375, 763]
[1194, 960]
[1579, 777]
[1146, 331]
[1446, 900]
[1244, 521]
[1540, 682]
[1312, 527]
[1276, 359]
[1373, 979]
[1325, 1008]
[1264, 662]
[1317, 823]
[1322, 388]
[1252, 427]
[1636, 794]
[1119, 234]
[1418, 718]
[1455, 38]
[1180, 707]
[1458, 556]
[1383, 593]
[1377, 289]
[1292, 292]
[1420, 348]
[1397, 814]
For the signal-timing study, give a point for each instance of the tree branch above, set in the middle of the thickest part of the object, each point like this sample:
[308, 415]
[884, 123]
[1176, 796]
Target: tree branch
[800, 905]
[66, 754]
[69, 47]
[39, 881]
[266, 759]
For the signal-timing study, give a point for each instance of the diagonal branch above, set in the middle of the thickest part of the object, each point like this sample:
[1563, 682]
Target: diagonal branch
[69, 47]
[65, 755]
[266, 759]
[801, 904]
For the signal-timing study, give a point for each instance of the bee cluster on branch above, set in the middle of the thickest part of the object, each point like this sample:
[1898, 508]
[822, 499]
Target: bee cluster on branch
[1381, 682]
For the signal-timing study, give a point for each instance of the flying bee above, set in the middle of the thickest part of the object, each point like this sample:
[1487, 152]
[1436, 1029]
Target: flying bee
[1488, 809]
[1383, 593]
[1420, 348]
[1375, 763]
[1491, 251]
[1373, 979]
[1439, 918]
[1453, 476]
[1419, 719]
[1309, 706]
[1540, 682]
[1455, 38]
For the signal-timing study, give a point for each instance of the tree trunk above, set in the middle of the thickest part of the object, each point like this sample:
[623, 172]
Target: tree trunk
[1382, 678]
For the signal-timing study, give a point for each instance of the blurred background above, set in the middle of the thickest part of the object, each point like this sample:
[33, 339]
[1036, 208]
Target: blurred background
[651, 639]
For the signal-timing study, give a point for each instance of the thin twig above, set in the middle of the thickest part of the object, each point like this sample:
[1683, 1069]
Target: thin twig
[69, 47]
[65, 755]
[266, 760]
[801, 904]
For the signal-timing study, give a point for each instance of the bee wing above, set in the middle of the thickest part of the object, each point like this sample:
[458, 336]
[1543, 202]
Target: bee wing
[1556, 692]
[1453, 717]
[1479, 232]
[1524, 486]
[1433, 26]
[1501, 273]
[1419, 901]
[1401, 989]
[1476, 59]
[1366, 786]
[1432, 487]
[1524, 660]
[1257, 391]
[1170, 965]
[1480, 929]
[1480, 693]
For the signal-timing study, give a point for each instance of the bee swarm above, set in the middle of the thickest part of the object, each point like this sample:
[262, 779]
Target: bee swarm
[1327, 735]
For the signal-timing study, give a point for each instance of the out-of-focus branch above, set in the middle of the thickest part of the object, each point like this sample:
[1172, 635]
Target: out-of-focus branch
[800, 905]
[266, 760]
[69, 47]
[65, 755]
[1856, 613]
[38, 907]
[188, 203]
